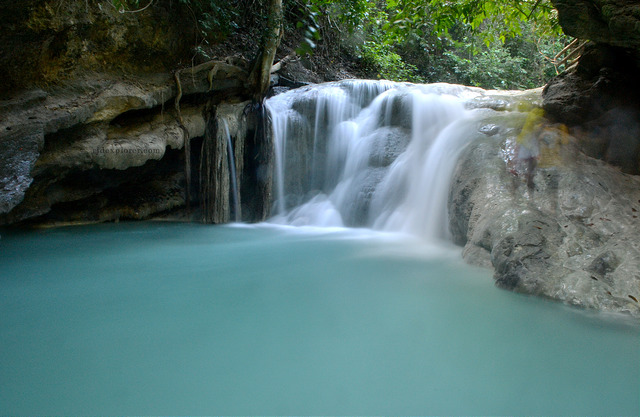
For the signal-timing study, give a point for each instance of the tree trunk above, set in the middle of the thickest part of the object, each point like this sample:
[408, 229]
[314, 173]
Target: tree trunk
[261, 72]
[259, 149]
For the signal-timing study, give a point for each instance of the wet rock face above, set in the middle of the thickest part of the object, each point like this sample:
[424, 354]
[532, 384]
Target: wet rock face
[599, 99]
[604, 79]
[87, 108]
[43, 42]
[18, 153]
[573, 237]
[104, 143]
[387, 143]
[611, 22]
[44, 167]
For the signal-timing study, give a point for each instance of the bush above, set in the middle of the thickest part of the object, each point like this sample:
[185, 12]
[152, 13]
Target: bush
[380, 59]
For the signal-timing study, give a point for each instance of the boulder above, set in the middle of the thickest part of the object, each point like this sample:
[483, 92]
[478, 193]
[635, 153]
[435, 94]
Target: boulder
[387, 143]
[610, 22]
[598, 98]
[572, 237]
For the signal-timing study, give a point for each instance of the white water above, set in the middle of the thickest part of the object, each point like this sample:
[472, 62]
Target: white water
[232, 171]
[369, 153]
[153, 318]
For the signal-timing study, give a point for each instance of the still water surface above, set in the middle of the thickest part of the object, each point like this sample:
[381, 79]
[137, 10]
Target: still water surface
[152, 318]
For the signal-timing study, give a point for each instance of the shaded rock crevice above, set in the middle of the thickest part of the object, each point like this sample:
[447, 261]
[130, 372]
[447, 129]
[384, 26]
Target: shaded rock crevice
[598, 98]
[44, 42]
[90, 91]
[49, 138]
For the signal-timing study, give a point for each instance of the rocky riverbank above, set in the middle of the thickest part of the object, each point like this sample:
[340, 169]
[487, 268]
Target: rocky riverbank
[108, 148]
[571, 236]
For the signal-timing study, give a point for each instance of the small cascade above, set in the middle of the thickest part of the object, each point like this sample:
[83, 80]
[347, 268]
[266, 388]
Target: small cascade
[231, 158]
[308, 116]
[221, 165]
[372, 154]
[214, 176]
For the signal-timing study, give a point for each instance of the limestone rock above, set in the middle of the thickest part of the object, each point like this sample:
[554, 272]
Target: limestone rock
[604, 84]
[44, 42]
[601, 105]
[19, 150]
[612, 22]
[387, 143]
[572, 238]
[96, 123]
[360, 195]
[115, 147]
[399, 111]
[88, 95]
[223, 157]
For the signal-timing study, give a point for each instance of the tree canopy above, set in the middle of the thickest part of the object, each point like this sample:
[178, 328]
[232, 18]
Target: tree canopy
[488, 43]
[490, 19]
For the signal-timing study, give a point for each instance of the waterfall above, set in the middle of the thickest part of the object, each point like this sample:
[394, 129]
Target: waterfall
[369, 154]
[235, 196]
[221, 165]
[211, 171]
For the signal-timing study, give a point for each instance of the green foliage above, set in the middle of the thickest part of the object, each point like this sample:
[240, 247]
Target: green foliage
[125, 5]
[379, 58]
[330, 17]
[215, 18]
[490, 20]
[486, 43]
[493, 68]
[351, 13]
[519, 62]
[311, 30]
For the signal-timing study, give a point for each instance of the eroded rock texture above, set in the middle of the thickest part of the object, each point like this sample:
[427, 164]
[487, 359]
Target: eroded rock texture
[105, 149]
[89, 130]
[599, 100]
[43, 42]
[572, 237]
[610, 22]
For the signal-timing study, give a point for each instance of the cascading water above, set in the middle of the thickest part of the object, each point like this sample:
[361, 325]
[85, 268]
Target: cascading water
[232, 171]
[154, 318]
[370, 153]
[221, 167]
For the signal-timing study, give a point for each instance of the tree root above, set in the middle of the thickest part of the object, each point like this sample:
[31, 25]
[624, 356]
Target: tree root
[213, 68]
[211, 74]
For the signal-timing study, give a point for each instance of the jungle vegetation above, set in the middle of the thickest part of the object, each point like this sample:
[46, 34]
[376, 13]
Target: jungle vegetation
[500, 44]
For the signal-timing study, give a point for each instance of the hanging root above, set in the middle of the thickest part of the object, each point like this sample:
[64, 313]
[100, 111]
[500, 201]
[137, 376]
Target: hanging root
[212, 68]
[176, 104]
[211, 74]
